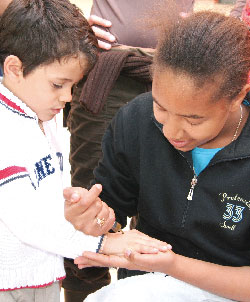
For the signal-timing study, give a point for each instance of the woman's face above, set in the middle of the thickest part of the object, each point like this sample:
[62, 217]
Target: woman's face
[189, 116]
[3, 5]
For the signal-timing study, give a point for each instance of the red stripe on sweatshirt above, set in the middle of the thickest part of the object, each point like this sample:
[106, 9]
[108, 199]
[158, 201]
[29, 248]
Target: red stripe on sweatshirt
[11, 171]
[34, 286]
[10, 103]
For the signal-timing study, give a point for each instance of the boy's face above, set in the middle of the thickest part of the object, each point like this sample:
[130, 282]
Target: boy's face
[189, 116]
[3, 5]
[48, 88]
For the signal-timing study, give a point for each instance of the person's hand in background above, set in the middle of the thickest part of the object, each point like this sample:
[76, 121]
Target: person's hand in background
[94, 21]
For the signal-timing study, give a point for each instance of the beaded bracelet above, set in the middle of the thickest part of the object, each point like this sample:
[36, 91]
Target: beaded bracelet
[101, 244]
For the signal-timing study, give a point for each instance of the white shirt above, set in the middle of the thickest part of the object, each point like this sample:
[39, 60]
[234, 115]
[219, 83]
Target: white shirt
[34, 235]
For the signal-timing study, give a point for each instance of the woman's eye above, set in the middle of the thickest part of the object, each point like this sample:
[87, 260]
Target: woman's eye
[194, 123]
[160, 108]
[57, 86]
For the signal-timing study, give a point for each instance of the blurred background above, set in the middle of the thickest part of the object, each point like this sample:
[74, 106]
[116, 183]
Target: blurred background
[223, 6]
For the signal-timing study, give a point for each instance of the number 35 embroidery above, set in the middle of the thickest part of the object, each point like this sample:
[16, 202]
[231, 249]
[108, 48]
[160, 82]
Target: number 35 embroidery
[233, 212]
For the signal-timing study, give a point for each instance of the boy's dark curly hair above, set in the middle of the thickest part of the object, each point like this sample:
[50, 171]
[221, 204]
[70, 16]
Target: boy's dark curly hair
[41, 31]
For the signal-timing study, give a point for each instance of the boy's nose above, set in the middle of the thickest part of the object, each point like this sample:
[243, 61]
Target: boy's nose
[66, 97]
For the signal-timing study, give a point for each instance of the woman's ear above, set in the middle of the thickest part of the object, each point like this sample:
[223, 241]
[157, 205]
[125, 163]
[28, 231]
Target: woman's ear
[245, 90]
[13, 68]
[240, 97]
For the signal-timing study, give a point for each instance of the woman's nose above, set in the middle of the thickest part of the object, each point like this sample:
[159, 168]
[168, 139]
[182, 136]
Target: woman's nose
[173, 128]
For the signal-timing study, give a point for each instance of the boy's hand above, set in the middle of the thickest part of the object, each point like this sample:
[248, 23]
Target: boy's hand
[100, 33]
[84, 209]
[118, 243]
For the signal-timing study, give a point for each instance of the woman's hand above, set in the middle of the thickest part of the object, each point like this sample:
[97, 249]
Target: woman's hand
[131, 260]
[84, 209]
[100, 33]
[90, 259]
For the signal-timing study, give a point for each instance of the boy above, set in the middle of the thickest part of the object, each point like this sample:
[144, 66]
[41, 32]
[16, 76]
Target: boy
[53, 47]
[41, 64]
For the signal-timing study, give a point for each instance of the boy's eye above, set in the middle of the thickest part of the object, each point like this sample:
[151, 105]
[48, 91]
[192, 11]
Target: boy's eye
[57, 86]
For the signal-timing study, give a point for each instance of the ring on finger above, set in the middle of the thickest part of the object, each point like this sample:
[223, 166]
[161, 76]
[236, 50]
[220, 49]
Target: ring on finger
[100, 221]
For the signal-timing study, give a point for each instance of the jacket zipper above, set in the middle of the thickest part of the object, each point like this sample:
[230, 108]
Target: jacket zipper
[193, 184]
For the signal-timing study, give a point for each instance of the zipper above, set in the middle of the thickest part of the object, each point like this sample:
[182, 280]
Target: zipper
[193, 181]
[193, 184]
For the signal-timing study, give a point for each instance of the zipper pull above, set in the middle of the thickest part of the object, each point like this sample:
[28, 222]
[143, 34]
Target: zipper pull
[191, 191]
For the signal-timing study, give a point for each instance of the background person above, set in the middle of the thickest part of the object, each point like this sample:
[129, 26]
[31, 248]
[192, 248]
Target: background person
[238, 8]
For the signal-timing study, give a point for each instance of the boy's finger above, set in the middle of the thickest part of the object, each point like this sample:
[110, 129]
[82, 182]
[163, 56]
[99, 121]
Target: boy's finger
[75, 194]
[111, 221]
[90, 196]
[72, 194]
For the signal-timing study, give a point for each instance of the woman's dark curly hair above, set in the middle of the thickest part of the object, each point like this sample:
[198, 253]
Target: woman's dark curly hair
[207, 46]
[39, 32]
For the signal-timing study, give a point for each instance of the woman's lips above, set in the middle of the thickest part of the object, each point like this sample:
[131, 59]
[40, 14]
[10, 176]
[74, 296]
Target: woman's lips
[178, 144]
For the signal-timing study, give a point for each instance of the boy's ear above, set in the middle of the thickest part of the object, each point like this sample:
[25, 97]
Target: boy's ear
[240, 97]
[13, 67]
